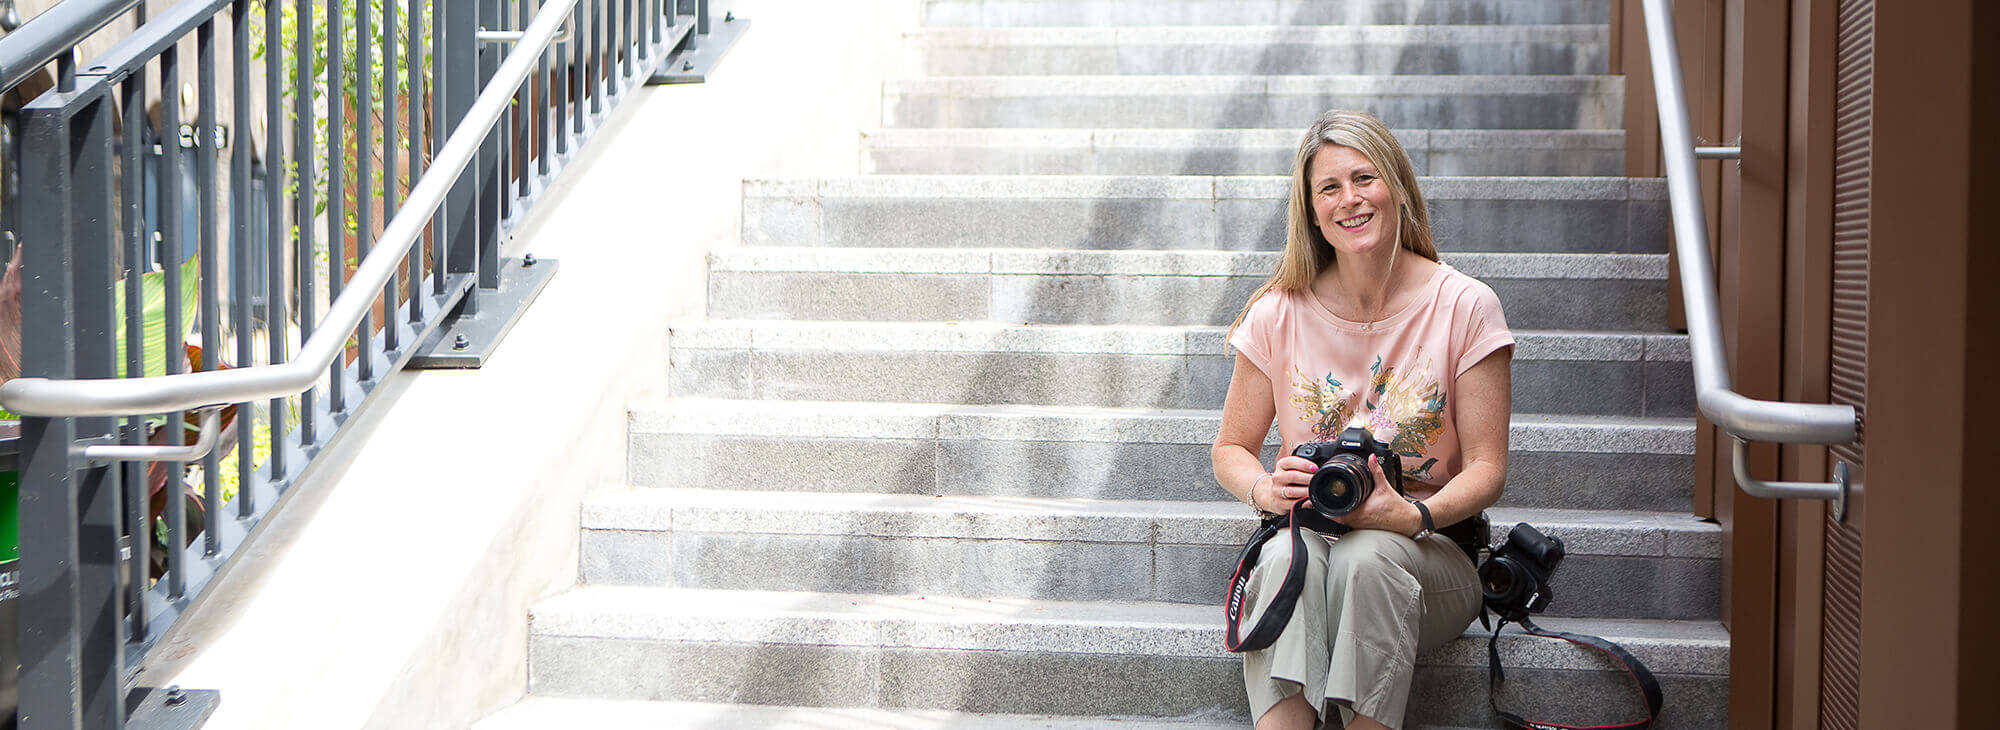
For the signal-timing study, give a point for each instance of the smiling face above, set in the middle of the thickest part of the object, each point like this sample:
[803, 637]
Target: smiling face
[1352, 205]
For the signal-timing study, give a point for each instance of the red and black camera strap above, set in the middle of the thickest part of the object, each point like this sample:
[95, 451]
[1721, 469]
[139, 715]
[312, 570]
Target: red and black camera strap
[1641, 677]
[1272, 623]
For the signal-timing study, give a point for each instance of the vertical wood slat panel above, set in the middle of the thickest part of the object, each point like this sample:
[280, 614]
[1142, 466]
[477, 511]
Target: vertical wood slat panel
[1854, 60]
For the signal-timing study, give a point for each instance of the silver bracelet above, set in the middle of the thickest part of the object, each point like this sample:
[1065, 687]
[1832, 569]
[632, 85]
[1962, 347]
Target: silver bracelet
[1251, 496]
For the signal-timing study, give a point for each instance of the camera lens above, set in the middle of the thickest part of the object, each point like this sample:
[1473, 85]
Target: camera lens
[1340, 485]
[1500, 580]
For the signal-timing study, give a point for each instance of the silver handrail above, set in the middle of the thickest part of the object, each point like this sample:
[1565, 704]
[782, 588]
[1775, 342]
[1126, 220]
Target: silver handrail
[1745, 419]
[191, 391]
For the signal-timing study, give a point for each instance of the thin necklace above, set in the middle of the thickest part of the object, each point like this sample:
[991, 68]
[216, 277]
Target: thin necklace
[1383, 298]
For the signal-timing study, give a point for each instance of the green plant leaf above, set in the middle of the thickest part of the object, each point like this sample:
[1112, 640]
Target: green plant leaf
[153, 315]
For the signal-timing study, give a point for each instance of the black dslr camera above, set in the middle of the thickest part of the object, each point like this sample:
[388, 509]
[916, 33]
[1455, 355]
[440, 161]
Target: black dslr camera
[1515, 580]
[1343, 481]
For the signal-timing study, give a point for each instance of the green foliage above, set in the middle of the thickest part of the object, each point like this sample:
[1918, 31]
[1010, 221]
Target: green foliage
[153, 316]
[349, 76]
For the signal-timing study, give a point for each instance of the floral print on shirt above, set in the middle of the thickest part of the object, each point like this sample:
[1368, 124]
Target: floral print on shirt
[1410, 398]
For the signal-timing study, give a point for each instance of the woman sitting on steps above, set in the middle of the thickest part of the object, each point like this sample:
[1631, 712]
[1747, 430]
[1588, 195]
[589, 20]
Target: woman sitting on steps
[1361, 324]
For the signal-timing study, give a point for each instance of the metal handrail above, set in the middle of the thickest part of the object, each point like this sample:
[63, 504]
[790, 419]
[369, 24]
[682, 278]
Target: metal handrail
[50, 36]
[191, 391]
[1744, 418]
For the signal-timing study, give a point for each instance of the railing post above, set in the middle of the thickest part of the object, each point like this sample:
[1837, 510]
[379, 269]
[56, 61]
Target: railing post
[98, 490]
[72, 638]
[51, 662]
[460, 68]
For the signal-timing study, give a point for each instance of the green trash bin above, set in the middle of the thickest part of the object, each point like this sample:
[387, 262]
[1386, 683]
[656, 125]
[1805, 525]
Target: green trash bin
[10, 572]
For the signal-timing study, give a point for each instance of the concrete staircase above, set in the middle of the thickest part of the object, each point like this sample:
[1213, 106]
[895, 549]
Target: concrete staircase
[939, 456]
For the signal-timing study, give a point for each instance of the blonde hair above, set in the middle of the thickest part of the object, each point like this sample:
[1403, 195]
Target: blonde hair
[1307, 251]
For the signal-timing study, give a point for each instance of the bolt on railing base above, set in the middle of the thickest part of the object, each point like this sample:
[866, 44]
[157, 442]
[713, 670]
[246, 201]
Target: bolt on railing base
[692, 66]
[171, 708]
[466, 341]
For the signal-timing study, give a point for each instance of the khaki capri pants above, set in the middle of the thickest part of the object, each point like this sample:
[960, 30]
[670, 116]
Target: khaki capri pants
[1372, 600]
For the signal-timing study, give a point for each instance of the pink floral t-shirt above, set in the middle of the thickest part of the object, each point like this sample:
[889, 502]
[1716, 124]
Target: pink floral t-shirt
[1325, 371]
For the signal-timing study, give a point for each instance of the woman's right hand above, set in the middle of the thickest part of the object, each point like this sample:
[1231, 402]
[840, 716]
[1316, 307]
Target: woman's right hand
[1286, 486]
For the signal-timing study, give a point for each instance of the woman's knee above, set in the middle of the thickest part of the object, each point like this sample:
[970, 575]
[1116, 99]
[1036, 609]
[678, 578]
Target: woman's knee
[1371, 552]
[1277, 552]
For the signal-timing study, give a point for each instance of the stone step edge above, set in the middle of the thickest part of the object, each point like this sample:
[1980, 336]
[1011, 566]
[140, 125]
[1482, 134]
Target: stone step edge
[1183, 85]
[1128, 340]
[1049, 519]
[535, 712]
[1167, 263]
[684, 615]
[1186, 187]
[1260, 34]
[1527, 432]
[1134, 138]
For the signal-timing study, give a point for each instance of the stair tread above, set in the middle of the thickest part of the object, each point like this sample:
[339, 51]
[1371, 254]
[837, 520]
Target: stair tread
[535, 713]
[1229, 137]
[629, 613]
[871, 419]
[1183, 262]
[1263, 34]
[1191, 187]
[1097, 339]
[1181, 522]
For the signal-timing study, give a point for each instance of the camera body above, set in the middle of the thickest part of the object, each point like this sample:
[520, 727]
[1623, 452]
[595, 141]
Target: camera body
[1344, 481]
[1515, 580]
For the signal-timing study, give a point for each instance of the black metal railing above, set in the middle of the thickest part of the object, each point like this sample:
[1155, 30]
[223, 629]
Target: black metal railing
[181, 234]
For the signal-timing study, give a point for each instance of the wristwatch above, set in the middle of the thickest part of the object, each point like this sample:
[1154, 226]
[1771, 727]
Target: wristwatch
[1429, 527]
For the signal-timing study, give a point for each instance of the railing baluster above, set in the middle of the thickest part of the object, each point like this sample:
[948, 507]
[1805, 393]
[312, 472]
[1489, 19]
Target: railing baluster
[578, 78]
[175, 351]
[305, 205]
[133, 212]
[524, 113]
[364, 182]
[544, 146]
[278, 177]
[336, 197]
[417, 101]
[391, 331]
[594, 75]
[441, 82]
[209, 251]
[240, 263]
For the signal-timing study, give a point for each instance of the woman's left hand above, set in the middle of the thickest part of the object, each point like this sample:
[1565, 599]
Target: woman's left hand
[1384, 509]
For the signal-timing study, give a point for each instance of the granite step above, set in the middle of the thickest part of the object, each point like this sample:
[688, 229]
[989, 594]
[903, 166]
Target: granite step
[998, 655]
[1266, 50]
[1245, 101]
[1045, 286]
[1620, 564]
[540, 713]
[1573, 462]
[1478, 214]
[1114, 366]
[1225, 151]
[1000, 13]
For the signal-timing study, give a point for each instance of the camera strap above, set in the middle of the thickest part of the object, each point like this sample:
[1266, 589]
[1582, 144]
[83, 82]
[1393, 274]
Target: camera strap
[1634, 668]
[1272, 623]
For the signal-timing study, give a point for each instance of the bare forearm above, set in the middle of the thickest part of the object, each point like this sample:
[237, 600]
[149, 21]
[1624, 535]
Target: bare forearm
[1475, 488]
[1236, 469]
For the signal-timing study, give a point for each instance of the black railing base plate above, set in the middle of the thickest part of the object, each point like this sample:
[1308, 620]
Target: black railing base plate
[170, 708]
[499, 309]
[693, 67]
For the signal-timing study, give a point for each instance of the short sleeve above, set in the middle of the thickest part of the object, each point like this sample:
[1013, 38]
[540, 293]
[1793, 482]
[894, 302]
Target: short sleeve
[1483, 328]
[1253, 335]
